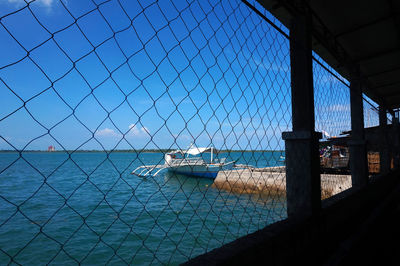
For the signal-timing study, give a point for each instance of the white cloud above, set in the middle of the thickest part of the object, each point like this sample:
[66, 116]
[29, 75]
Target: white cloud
[337, 108]
[184, 137]
[47, 3]
[270, 66]
[134, 130]
[107, 132]
[20, 3]
[145, 130]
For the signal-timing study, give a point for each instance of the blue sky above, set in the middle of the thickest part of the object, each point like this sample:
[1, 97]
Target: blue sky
[122, 74]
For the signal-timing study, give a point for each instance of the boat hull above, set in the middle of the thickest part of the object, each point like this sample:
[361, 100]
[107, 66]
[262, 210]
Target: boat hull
[204, 171]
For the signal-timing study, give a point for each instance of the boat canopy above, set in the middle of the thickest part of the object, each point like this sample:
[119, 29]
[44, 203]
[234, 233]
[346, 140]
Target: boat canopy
[196, 151]
[176, 152]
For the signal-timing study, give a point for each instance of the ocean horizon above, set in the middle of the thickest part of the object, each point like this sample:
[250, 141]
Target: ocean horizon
[87, 208]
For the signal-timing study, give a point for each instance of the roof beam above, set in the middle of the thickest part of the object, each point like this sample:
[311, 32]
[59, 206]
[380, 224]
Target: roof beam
[396, 17]
[382, 72]
[392, 94]
[323, 41]
[371, 23]
[386, 85]
[394, 102]
[377, 55]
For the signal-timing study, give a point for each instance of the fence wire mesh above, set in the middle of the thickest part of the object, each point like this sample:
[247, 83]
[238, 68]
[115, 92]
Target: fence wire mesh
[371, 123]
[333, 120]
[371, 113]
[108, 86]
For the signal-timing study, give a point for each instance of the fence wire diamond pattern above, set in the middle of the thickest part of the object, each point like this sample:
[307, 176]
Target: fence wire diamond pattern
[112, 85]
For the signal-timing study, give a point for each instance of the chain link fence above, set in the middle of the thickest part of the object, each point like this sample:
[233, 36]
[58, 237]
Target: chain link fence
[375, 137]
[332, 101]
[333, 120]
[371, 120]
[371, 113]
[91, 90]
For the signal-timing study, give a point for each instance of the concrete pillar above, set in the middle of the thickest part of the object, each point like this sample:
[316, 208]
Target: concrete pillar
[396, 141]
[384, 153]
[357, 143]
[301, 145]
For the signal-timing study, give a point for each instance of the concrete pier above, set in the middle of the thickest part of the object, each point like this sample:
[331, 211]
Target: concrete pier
[272, 181]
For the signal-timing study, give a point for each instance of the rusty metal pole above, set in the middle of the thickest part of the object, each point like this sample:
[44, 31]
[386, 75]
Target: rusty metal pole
[357, 143]
[301, 145]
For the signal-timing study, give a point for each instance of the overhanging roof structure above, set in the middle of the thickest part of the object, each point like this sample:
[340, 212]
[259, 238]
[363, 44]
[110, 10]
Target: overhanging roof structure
[355, 35]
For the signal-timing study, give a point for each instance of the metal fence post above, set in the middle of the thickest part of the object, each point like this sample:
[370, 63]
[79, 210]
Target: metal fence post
[301, 145]
[384, 154]
[357, 143]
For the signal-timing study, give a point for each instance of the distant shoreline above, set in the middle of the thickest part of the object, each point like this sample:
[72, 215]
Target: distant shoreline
[126, 151]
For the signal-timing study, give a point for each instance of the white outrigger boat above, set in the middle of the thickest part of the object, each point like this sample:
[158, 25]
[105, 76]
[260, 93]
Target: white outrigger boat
[180, 162]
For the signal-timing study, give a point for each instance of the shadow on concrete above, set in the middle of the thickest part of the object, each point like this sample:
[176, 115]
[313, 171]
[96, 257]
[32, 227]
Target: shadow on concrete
[354, 227]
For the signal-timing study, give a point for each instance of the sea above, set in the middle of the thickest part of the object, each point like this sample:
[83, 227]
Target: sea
[87, 208]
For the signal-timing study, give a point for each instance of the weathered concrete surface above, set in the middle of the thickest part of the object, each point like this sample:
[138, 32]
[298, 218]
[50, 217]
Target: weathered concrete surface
[272, 180]
[355, 227]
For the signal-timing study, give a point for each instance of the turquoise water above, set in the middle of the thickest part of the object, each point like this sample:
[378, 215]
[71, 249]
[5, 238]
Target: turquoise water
[87, 208]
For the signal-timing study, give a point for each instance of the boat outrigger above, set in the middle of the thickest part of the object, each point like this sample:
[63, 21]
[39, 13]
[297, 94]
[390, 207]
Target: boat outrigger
[180, 162]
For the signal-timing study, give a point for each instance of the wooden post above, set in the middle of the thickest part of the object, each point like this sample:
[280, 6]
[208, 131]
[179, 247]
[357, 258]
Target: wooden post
[301, 145]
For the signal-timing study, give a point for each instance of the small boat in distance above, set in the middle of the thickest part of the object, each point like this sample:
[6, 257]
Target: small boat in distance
[189, 162]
